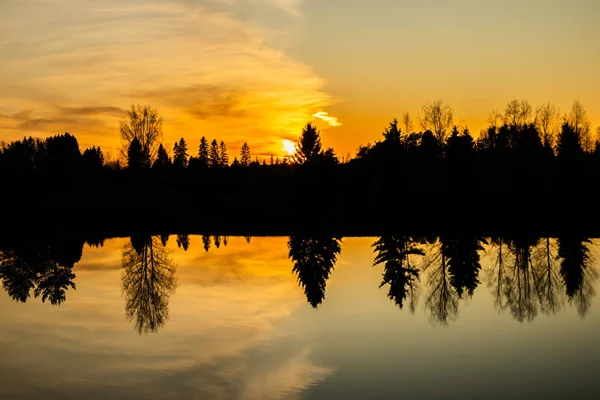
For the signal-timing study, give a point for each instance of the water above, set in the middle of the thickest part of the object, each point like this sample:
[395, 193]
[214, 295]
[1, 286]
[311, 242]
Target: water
[234, 323]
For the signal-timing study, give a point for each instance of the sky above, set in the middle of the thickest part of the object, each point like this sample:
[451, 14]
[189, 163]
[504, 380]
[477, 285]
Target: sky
[257, 70]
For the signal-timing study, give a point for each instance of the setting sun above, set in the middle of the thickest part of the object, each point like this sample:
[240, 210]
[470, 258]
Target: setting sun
[289, 146]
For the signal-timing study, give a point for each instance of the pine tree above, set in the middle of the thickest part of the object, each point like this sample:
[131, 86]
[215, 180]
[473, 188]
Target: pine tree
[135, 155]
[223, 154]
[162, 158]
[180, 154]
[214, 156]
[203, 152]
[245, 156]
[309, 145]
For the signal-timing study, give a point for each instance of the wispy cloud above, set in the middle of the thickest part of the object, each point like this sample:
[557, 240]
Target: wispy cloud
[324, 116]
[207, 71]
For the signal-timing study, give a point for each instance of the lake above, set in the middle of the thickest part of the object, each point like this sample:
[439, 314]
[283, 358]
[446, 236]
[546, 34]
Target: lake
[301, 318]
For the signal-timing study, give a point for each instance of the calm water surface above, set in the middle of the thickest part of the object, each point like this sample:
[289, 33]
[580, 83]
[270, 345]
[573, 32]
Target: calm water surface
[234, 322]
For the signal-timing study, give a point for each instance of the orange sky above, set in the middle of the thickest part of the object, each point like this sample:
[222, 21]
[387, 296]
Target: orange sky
[257, 70]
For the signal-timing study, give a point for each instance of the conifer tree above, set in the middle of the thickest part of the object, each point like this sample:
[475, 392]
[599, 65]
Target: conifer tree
[223, 154]
[203, 157]
[245, 156]
[180, 154]
[213, 155]
[162, 158]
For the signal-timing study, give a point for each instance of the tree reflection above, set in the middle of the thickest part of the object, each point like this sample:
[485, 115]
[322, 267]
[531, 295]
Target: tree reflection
[520, 288]
[577, 273]
[399, 273]
[442, 299]
[313, 258]
[206, 242]
[183, 240]
[148, 282]
[47, 270]
[548, 279]
[497, 272]
[462, 256]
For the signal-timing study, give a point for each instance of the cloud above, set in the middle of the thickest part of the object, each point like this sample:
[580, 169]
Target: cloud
[207, 70]
[322, 115]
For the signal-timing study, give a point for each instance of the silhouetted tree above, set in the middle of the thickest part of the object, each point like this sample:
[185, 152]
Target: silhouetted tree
[163, 160]
[313, 258]
[93, 159]
[148, 282]
[223, 157]
[60, 154]
[578, 120]
[135, 157]
[309, 145]
[407, 123]
[518, 113]
[144, 124]
[180, 154]
[214, 155]
[568, 146]
[547, 121]
[245, 156]
[203, 156]
[437, 117]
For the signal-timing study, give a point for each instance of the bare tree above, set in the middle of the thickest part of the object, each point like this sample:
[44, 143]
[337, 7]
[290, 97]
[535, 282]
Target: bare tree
[407, 123]
[518, 113]
[148, 282]
[144, 124]
[547, 122]
[578, 119]
[438, 118]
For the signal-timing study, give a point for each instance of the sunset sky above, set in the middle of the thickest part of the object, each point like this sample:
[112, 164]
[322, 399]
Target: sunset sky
[257, 70]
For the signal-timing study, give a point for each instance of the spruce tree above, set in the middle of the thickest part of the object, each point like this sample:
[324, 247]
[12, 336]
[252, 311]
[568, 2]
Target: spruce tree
[223, 154]
[203, 152]
[245, 156]
[214, 156]
[162, 158]
[180, 154]
[135, 155]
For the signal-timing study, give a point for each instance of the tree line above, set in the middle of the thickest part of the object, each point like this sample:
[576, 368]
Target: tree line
[525, 166]
[519, 127]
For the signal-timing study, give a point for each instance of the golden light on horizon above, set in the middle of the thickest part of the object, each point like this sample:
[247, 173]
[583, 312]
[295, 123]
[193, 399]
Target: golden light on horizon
[288, 146]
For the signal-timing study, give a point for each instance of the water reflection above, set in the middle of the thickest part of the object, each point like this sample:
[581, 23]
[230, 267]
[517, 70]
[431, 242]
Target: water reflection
[442, 298]
[526, 275]
[576, 271]
[148, 282]
[45, 269]
[313, 257]
[396, 253]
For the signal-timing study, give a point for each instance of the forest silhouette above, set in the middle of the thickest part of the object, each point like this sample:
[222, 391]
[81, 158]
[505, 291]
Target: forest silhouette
[529, 170]
[525, 275]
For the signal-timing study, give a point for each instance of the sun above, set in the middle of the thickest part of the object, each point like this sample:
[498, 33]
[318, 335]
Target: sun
[288, 146]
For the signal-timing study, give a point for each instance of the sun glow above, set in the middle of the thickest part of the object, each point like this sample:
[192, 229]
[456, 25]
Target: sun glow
[288, 146]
